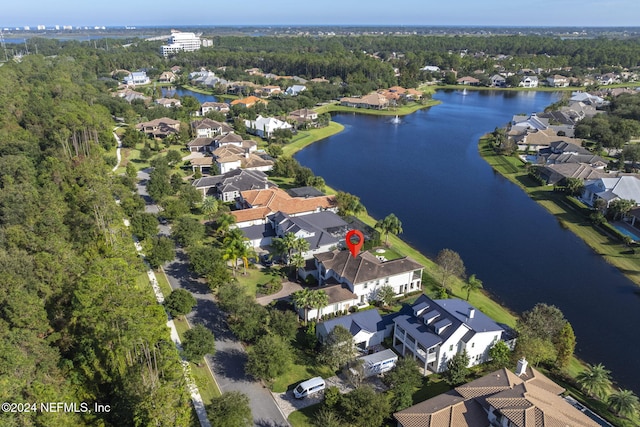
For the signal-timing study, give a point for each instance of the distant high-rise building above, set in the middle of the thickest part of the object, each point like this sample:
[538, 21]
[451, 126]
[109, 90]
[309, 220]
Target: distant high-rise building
[57, 27]
[181, 42]
[41, 27]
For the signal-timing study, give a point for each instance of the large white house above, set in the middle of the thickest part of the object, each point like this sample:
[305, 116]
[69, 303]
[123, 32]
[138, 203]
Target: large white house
[625, 187]
[264, 126]
[437, 330]
[365, 274]
[137, 78]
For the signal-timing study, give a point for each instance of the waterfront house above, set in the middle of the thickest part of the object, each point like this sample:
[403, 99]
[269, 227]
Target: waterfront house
[437, 330]
[167, 77]
[255, 206]
[130, 95]
[213, 106]
[303, 117]
[498, 81]
[558, 81]
[365, 273]
[529, 81]
[502, 398]
[265, 126]
[373, 101]
[625, 187]
[468, 80]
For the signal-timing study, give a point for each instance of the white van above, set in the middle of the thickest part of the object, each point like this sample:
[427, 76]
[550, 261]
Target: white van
[308, 387]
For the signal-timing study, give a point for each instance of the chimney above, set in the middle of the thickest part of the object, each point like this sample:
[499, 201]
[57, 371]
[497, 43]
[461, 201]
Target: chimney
[521, 368]
[472, 312]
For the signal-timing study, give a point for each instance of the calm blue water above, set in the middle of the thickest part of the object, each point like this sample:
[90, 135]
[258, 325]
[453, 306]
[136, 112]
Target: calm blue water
[168, 92]
[428, 172]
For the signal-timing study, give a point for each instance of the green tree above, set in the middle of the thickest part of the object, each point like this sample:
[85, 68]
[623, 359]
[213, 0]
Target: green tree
[386, 295]
[198, 341]
[144, 225]
[472, 284]
[595, 381]
[619, 208]
[623, 403]
[536, 349]
[188, 231]
[179, 302]
[268, 358]
[284, 245]
[297, 261]
[403, 380]
[209, 206]
[224, 223]
[319, 299]
[390, 224]
[283, 323]
[500, 354]
[566, 344]
[162, 250]
[327, 418]
[302, 299]
[450, 264]
[232, 409]
[574, 186]
[338, 348]
[249, 322]
[173, 157]
[364, 407]
[348, 204]
[457, 369]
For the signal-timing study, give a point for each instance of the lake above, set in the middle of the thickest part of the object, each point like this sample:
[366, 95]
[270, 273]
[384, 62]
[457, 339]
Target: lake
[427, 170]
[168, 92]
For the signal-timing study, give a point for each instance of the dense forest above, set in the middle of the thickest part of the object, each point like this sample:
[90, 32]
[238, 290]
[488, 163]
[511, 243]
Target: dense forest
[76, 322]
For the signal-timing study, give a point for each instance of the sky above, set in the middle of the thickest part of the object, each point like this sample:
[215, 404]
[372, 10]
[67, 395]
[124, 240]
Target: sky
[601, 13]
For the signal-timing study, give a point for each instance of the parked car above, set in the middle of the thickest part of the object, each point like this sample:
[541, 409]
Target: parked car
[266, 260]
[309, 387]
[162, 220]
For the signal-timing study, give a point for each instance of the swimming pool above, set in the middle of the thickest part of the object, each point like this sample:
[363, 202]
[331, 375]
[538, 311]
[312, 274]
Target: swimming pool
[626, 232]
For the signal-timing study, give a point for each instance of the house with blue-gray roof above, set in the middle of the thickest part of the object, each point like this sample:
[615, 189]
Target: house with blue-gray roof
[433, 331]
[366, 327]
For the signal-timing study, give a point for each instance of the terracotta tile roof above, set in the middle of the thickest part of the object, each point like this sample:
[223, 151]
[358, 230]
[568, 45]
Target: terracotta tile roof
[249, 101]
[274, 199]
[531, 400]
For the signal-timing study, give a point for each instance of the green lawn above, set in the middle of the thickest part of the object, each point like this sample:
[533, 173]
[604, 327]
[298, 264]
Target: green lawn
[388, 253]
[163, 283]
[395, 111]
[432, 386]
[256, 276]
[306, 137]
[304, 417]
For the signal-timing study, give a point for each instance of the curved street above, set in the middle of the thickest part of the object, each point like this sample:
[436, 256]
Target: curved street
[230, 358]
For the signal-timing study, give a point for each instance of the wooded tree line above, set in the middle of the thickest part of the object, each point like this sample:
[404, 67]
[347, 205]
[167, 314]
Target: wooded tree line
[75, 325]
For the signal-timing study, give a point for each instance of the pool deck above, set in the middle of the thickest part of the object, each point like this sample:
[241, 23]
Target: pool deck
[631, 231]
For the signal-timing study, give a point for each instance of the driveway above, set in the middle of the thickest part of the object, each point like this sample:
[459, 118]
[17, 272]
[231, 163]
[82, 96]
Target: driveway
[287, 289]
[230, 358]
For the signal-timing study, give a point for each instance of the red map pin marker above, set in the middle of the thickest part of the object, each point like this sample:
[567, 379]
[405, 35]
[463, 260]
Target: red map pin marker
[354, 248]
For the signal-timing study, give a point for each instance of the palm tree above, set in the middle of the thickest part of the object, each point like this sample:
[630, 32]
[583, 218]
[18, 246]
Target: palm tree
[209, 206]
[301, 245]
[235, 247]
[302, 298]
[595, 381]
[472, 284]
[223, 223]
[319, 299]
[624, 403]
[285, 244]
[391, 224]
[297, 261]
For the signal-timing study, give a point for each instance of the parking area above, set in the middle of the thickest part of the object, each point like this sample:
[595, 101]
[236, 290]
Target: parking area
[289, 404]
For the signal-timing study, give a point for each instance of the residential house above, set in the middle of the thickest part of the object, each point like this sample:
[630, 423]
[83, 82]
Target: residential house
[131, 95]
[365, 326]
[558, 81]
[468, 80]
[230, 157]
[208, 128]
[248, 102]
[167, 77]
[201, 144]
[254, 206]
[559, 152]
[528, 81]
[557, 174]
[319, 80]
[374, 101]
[303, 117]
[608, 79]
[137, 78]
[168, 102]
[254, 72]
[431, 68]
[228, 186]
[235, 140]
[295, 90]
[609, 189]
[365, 273]
[270, 90]
[502, 398]
[498, 81]
[201, 162]
[437, 330]
[206, 107]
[159, 128]
[541, 138]
[586, 98]
[265, 126]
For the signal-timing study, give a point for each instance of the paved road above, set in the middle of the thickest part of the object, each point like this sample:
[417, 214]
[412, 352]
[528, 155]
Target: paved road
[230, 358]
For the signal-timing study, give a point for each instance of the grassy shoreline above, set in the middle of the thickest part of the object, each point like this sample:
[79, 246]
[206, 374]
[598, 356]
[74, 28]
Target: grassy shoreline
[395, 111]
